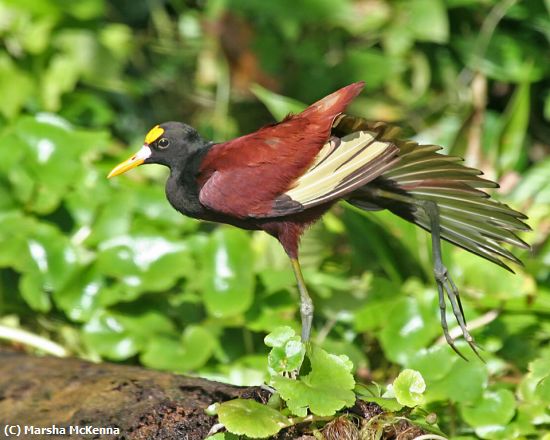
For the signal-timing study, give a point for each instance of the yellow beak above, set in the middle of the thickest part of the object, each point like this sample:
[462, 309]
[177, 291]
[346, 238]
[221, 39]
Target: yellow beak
[132, 162]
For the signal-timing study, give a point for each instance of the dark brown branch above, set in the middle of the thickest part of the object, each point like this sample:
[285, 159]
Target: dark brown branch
[142, 404]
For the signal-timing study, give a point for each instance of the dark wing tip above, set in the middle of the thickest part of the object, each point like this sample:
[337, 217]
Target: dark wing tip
[284, 204]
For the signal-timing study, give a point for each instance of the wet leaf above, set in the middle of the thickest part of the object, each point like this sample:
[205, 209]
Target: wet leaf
[144, 263]
[228, 281]
[118, 336]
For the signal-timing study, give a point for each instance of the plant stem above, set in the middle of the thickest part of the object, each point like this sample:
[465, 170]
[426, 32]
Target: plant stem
[32, 340]
[430, 437]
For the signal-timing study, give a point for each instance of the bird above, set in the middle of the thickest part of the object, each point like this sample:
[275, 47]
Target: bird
[285, 176]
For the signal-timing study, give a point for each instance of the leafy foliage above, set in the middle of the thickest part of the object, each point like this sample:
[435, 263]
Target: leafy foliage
[316, 395]
[109, 271]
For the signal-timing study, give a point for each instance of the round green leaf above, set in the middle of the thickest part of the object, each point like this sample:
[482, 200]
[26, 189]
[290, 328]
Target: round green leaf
[494, 408]
[409, 388]
[250, 418]
[412, 326]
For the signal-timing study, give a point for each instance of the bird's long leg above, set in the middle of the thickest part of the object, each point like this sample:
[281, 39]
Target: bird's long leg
[445, 283]
[306, 304]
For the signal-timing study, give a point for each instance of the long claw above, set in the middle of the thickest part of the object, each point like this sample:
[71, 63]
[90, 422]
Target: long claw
[443, 279]
[475, 347]
[455, 290]
[456, 350]
[443, 317]
[445, 284]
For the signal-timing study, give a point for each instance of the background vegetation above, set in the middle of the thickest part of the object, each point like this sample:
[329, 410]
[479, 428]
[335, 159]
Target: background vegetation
[108, 271]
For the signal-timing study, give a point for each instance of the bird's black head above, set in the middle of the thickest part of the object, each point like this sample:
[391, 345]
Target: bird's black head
[170, 144]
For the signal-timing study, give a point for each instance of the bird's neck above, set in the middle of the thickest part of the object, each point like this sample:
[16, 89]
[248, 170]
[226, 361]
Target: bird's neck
[182, 189]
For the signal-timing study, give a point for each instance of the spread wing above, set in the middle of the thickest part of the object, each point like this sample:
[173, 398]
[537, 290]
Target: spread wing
[342, 165]
[243, 177]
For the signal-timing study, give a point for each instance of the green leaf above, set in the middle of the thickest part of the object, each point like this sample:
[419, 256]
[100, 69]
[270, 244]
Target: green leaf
[356, 354]
[16, 87]
[114, 218]
[382, 295]
[119, 336]
[44, 256]
[412, 327]
[504, 287]
[325, 390]
[81, 296]
[279, 337]
[32, 291]
[250, 418]
[509, 57]
[287, 353]
[228, 279]
[144, 263]
[409, 387]
[516, 117]
[387, 403]
[54, 157]
[190, 353]
[535, 184]
[434, 363]
[223, 436]
[542, 391]
[529, 389]
[494, 408]
[443, 369]
[271, 311]
[370, 65]
[426, 20]
[279, 106]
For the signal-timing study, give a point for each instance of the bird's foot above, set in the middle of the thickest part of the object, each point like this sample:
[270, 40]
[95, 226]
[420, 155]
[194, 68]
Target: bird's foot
[446, 286]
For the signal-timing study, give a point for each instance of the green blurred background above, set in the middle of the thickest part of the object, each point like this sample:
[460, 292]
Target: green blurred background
[108, 271]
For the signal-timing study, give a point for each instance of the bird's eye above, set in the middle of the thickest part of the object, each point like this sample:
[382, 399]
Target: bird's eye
[163, 143]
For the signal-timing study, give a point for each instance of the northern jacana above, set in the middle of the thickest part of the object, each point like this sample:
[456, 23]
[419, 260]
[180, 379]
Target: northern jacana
[285, 176]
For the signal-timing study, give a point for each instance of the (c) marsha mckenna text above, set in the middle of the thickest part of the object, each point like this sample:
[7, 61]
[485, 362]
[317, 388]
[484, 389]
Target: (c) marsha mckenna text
[69, 430]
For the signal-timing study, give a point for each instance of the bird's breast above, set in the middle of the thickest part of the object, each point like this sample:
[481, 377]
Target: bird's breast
[183, 195]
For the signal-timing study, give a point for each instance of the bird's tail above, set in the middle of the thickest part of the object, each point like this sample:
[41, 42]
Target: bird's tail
[468, 217]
